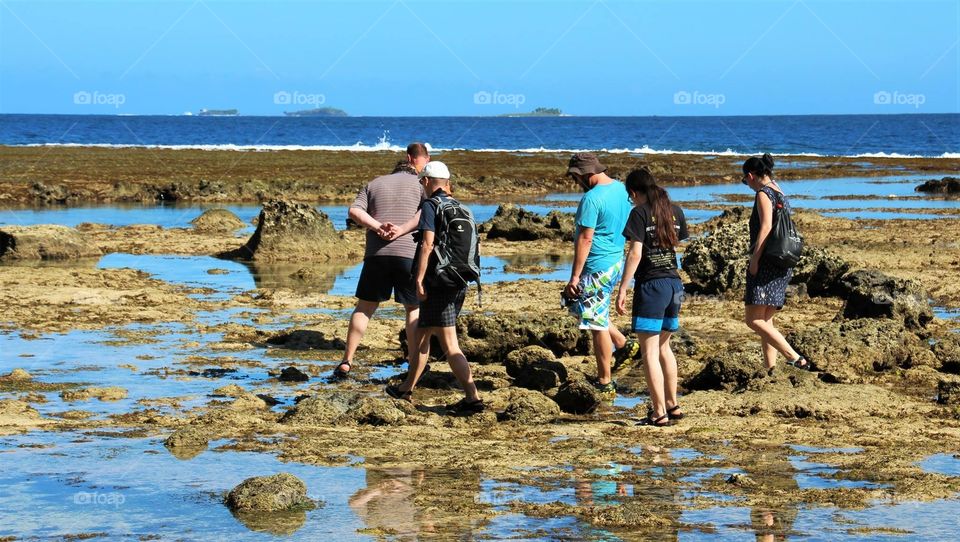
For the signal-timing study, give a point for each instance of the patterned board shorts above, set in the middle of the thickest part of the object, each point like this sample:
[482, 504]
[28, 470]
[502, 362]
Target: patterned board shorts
[441, 307]
[596, 293]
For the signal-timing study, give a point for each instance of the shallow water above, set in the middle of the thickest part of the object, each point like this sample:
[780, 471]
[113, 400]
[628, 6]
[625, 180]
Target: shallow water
[89, 482]
[180, 215]
[231, 278]
[893, 192]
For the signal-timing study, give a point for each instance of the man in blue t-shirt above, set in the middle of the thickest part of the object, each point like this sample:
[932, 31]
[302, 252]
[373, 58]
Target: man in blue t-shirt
[598, 263]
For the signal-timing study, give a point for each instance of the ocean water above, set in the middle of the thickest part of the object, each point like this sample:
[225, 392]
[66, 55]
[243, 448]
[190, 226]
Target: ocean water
[933, 135]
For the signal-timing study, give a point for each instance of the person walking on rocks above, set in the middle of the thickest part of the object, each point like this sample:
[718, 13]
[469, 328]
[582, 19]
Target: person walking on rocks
[598, 264]
[388, 258]
[440, 299]
[766, 282]
[654, 230]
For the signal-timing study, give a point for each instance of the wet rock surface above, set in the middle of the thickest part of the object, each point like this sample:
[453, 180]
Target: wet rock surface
[292, 374]
[191, 436]
[275, 493]
[948, 391]
[578, 396]
[535, 368]
[340, 407]
[305, 339]
[729, 371]
[112, 393]
[489, 338]
[292, 231]
[873, 294]
[849, 351]
[514, 223]
[218, 220]
[46, 242]
[528, 407]
[949, 186]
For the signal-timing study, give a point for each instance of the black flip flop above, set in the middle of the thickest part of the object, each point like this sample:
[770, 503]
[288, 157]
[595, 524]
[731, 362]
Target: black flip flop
[340, 374]
[661, 421]
[672, 416]
[397, 393]
[801, 363]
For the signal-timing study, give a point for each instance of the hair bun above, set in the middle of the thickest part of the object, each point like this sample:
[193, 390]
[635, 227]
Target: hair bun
[767, 160]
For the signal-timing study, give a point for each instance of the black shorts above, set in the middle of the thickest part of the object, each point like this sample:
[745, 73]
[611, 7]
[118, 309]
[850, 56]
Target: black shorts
[441, 307]
[382, 275]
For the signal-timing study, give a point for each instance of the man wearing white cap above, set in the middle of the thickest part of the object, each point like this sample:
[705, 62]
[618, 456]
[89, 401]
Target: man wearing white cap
[439, 304]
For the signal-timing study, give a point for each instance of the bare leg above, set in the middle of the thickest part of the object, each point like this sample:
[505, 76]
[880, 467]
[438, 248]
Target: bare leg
[619, 341]
[413, 342]
[603, 350]
[654, 371]
[417, 361]
[358, 326]
[458, 362]
[668, 363]
[769, 351]
[755, 317]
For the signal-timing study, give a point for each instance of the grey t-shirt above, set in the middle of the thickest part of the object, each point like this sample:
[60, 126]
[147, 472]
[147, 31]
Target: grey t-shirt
[391, 198]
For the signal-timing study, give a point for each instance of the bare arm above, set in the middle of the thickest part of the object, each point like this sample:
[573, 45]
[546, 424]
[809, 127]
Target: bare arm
[407, 226]
[633, 261]
[363, 218]
[426, 248]
[766, 225]
[581, 249]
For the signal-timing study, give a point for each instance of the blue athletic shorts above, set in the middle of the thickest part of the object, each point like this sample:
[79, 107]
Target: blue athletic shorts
[656, 305]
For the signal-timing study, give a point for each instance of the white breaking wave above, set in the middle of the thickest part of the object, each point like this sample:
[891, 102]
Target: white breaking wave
[385, 145]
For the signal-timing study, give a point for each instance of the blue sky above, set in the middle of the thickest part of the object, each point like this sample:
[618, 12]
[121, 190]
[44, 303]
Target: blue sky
[413, 57]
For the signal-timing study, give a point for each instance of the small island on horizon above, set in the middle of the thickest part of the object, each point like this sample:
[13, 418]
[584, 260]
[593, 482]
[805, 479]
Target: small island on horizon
[318, 112]
[539, 112]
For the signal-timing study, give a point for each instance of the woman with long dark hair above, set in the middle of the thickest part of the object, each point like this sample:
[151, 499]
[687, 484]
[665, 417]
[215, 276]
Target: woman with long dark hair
[766, 281]
[654, 230]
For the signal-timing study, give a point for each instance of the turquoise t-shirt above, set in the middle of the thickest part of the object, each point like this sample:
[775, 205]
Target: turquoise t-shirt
[605, 208]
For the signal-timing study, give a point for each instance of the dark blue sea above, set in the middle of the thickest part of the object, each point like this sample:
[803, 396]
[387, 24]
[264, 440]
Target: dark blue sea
[829, 135]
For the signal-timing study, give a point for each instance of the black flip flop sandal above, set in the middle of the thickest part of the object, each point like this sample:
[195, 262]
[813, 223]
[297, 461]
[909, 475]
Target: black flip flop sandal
[672, 410]
[340, 374]
[661, 421]
[397, 393]
[801, 363]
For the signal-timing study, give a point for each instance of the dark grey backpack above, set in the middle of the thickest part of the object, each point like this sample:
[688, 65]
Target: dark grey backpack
[456, 246]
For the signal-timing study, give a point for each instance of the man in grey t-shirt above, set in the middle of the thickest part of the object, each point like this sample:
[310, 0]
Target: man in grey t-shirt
[388, 261]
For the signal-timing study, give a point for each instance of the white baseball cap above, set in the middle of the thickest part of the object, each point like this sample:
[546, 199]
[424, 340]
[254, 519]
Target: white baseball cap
[434, 170]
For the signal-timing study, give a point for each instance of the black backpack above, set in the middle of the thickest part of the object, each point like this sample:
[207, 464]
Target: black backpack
[456, 245]
[784, 244]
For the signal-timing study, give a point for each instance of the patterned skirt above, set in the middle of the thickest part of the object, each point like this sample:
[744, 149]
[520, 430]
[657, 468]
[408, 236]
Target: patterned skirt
[768, 286]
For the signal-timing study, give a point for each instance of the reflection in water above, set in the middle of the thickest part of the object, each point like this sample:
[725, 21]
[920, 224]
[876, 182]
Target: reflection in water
[773, 469]
[312, 277]
[277, 523]
[412, 504]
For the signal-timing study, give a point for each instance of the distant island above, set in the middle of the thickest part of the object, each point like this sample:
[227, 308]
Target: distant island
[538, 112]
[320, 112]
[218, 113]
